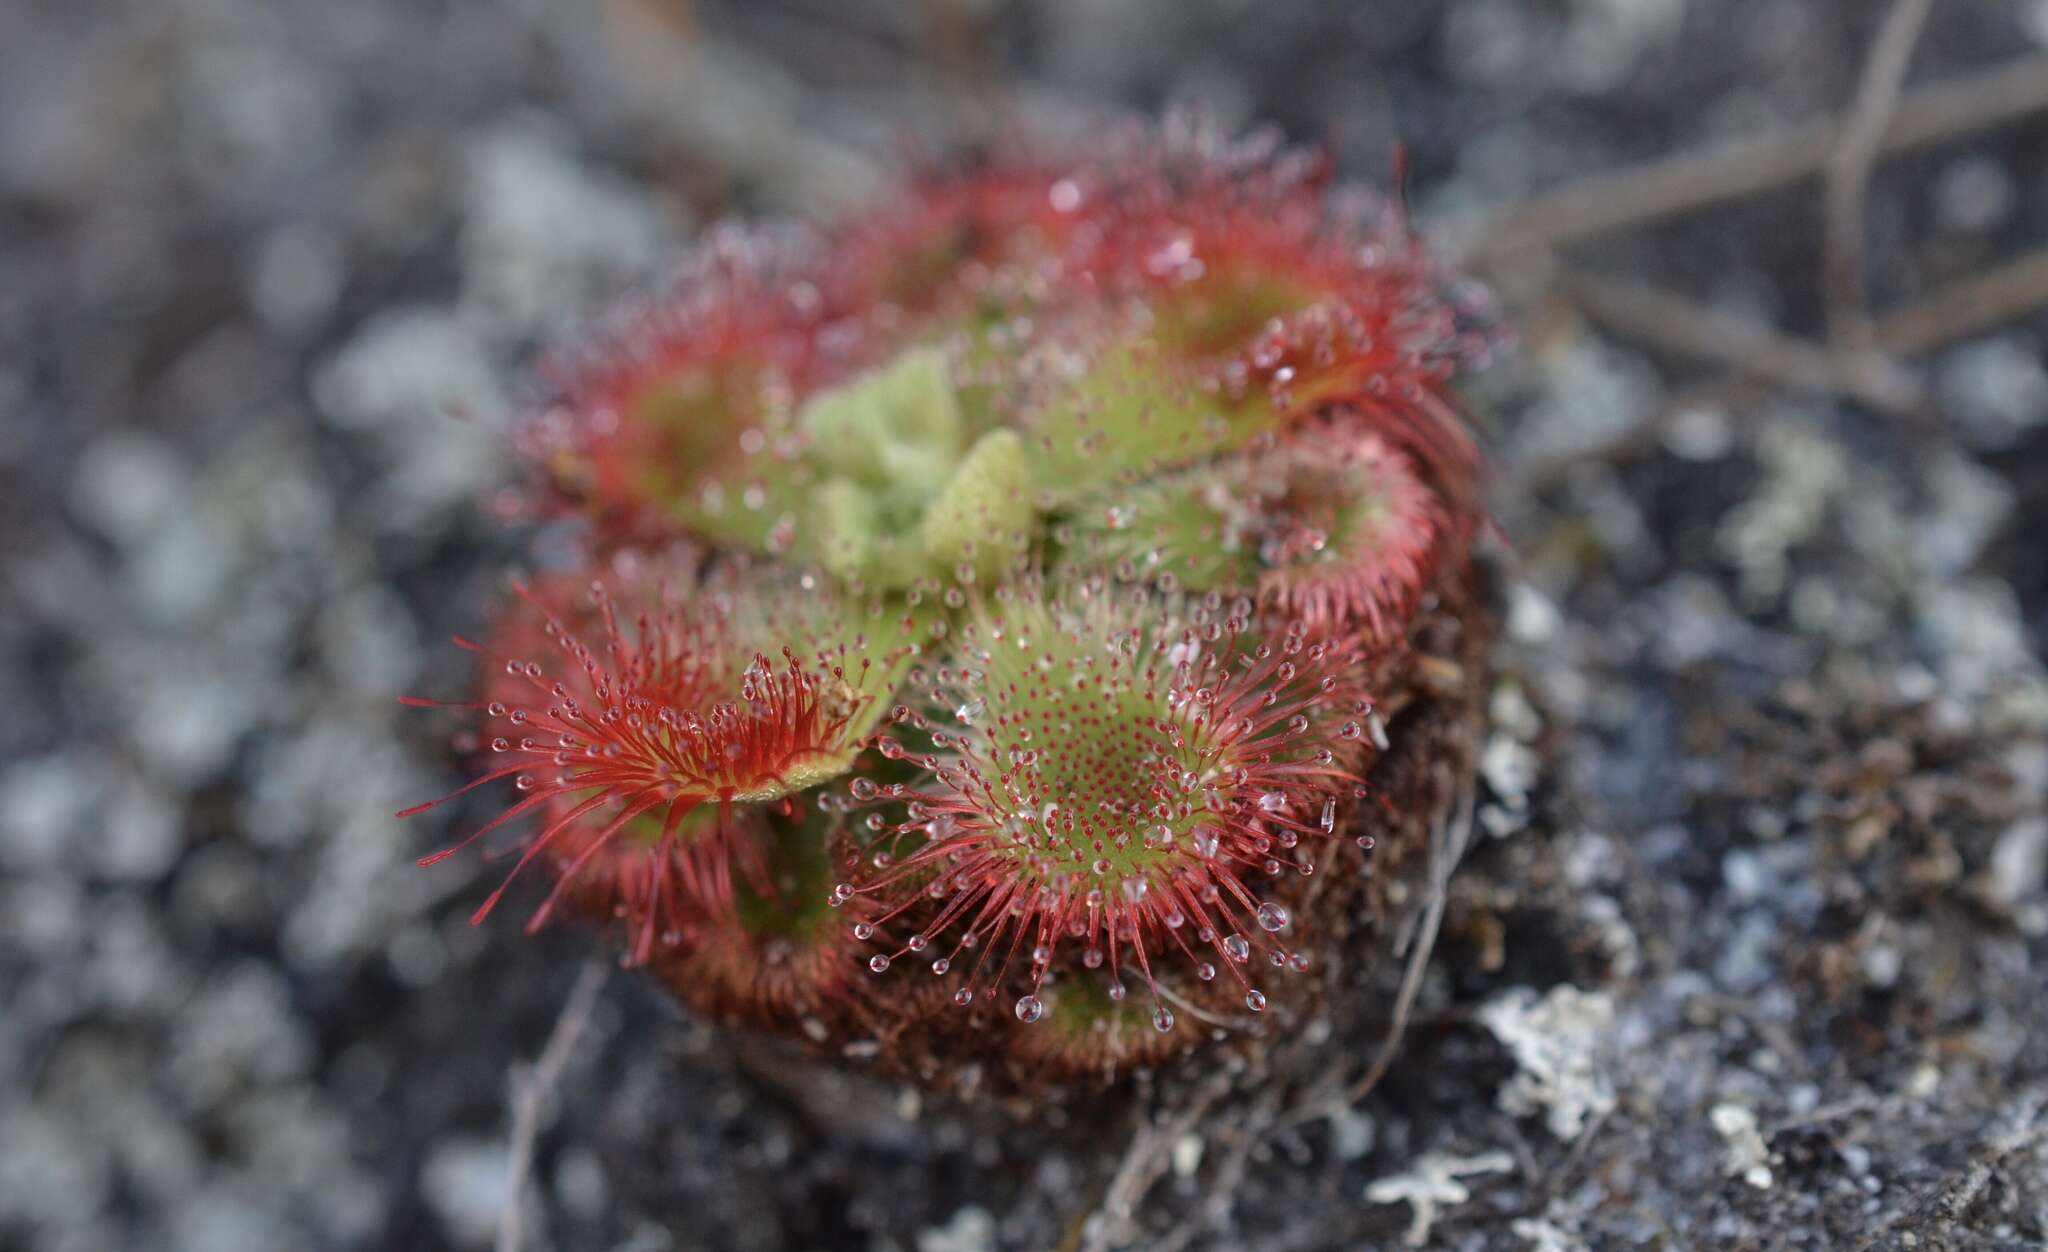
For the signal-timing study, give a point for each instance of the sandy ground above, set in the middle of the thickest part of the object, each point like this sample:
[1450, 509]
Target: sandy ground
[1751, 950]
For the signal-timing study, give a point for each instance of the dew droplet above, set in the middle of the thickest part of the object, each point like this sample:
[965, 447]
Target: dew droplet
[1255, 1000]
[1237, 948]
[1162, 1019]
[963, 997]
[878, 962]
[1028, 1009]
[1272, 916]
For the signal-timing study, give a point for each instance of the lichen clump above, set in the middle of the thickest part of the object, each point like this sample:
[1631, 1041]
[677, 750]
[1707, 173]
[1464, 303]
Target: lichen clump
[988, 616]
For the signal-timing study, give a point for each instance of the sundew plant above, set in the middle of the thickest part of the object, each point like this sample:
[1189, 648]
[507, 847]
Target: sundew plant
[991, 612]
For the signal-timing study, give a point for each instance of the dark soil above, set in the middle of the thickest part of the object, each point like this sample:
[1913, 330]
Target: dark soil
[1749, 952]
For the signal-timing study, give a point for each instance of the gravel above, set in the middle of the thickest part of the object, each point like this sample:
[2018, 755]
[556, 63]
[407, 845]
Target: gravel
[1750, 955]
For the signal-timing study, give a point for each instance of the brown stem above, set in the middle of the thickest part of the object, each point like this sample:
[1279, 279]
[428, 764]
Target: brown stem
[1671, 185]
[1672, 322]
[531, 1088]
[1845, 244]
[2007, 291]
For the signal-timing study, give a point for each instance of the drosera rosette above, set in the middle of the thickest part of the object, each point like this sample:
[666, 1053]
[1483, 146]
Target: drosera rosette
[998, 615]
[1116, 775]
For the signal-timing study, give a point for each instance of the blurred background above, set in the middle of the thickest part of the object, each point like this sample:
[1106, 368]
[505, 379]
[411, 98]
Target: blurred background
[1751, 953]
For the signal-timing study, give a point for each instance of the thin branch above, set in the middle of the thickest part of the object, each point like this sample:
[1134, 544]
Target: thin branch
[1446, 850]
[1844, 263]
[1144, 1160]
[2002, 294]
[1732, 394]
[1939, 1207]
[2009, 290]
[531, 1088]
[1672, 185]
[1672, 322]
[1220, 1196]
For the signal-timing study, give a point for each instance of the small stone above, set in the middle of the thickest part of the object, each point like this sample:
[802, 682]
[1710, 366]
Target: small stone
[139, 836]
[1745, 1154]
[127, 484]
[1997, 388]
[542, 234]
[296, 276]
[464, 1182]
[1973, 195]
[581, 1183]
[970, 1229]
[2019, 862]
[45, 803]
[407, 365]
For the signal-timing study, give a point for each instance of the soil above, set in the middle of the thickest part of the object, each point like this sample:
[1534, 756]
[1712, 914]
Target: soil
[1748, 950]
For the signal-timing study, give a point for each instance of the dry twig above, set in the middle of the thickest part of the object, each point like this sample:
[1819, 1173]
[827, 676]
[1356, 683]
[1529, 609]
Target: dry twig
[1144, 1160]
[531, 1088]
[1220, 1197]
[1446, 849]
[1844, 263]
[1940, 1209]
[1679, 325]
[1677, 184]
[2008, 290]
